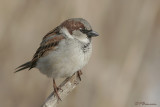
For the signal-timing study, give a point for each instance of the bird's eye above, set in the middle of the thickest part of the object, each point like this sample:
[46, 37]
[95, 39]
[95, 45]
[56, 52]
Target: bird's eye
[84, 30]
[80, 28]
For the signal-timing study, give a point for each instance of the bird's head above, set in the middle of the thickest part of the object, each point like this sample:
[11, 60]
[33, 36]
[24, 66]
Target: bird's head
[78, 28]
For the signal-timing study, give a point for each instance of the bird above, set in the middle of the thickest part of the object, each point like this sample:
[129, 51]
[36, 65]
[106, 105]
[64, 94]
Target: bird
[63, 51]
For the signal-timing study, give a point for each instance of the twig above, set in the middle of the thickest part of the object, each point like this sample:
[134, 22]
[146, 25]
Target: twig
[67, 86]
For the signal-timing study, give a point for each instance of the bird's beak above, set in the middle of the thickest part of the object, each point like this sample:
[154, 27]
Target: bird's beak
[92, 33]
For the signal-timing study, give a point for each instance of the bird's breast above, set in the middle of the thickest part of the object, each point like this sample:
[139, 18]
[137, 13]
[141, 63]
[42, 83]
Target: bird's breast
[68, 58]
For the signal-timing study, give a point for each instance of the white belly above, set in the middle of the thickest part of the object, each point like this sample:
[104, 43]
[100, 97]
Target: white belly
[65, 61]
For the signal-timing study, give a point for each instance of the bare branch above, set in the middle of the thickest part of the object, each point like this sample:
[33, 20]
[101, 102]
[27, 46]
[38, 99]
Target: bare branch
[67, 86]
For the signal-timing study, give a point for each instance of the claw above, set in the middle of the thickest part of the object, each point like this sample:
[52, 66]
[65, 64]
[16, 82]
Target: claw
[59, 88]
[79, 74]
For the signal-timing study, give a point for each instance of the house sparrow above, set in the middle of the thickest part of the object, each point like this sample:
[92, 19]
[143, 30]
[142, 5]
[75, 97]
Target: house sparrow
[64, 50]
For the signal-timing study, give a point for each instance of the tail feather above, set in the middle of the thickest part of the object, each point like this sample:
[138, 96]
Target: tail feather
[23, 66]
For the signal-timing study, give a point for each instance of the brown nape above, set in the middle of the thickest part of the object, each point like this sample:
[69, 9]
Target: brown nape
[72, 25]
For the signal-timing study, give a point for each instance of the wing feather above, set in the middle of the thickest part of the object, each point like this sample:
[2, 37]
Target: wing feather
[49, 43]
[45, 48]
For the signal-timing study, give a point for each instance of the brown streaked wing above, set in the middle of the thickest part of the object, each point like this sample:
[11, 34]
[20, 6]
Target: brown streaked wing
[52, 32]
[45, 48]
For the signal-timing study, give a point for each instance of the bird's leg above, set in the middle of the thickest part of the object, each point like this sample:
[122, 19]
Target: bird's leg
[79, 74]
[56, 90]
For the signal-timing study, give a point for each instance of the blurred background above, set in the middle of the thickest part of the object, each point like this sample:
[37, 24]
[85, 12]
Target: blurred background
[124, 68]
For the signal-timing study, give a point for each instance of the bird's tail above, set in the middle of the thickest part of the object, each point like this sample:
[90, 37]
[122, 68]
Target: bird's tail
[23, 66]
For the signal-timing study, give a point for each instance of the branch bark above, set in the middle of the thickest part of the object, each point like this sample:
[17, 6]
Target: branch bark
[67, 86]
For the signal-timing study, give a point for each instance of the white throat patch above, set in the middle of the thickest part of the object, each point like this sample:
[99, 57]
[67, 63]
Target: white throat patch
[82, 37]
[65, 31]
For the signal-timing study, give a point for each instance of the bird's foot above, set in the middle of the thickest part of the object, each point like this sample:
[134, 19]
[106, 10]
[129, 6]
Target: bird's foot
[79, 74]
[56, 94]
[56, 90]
